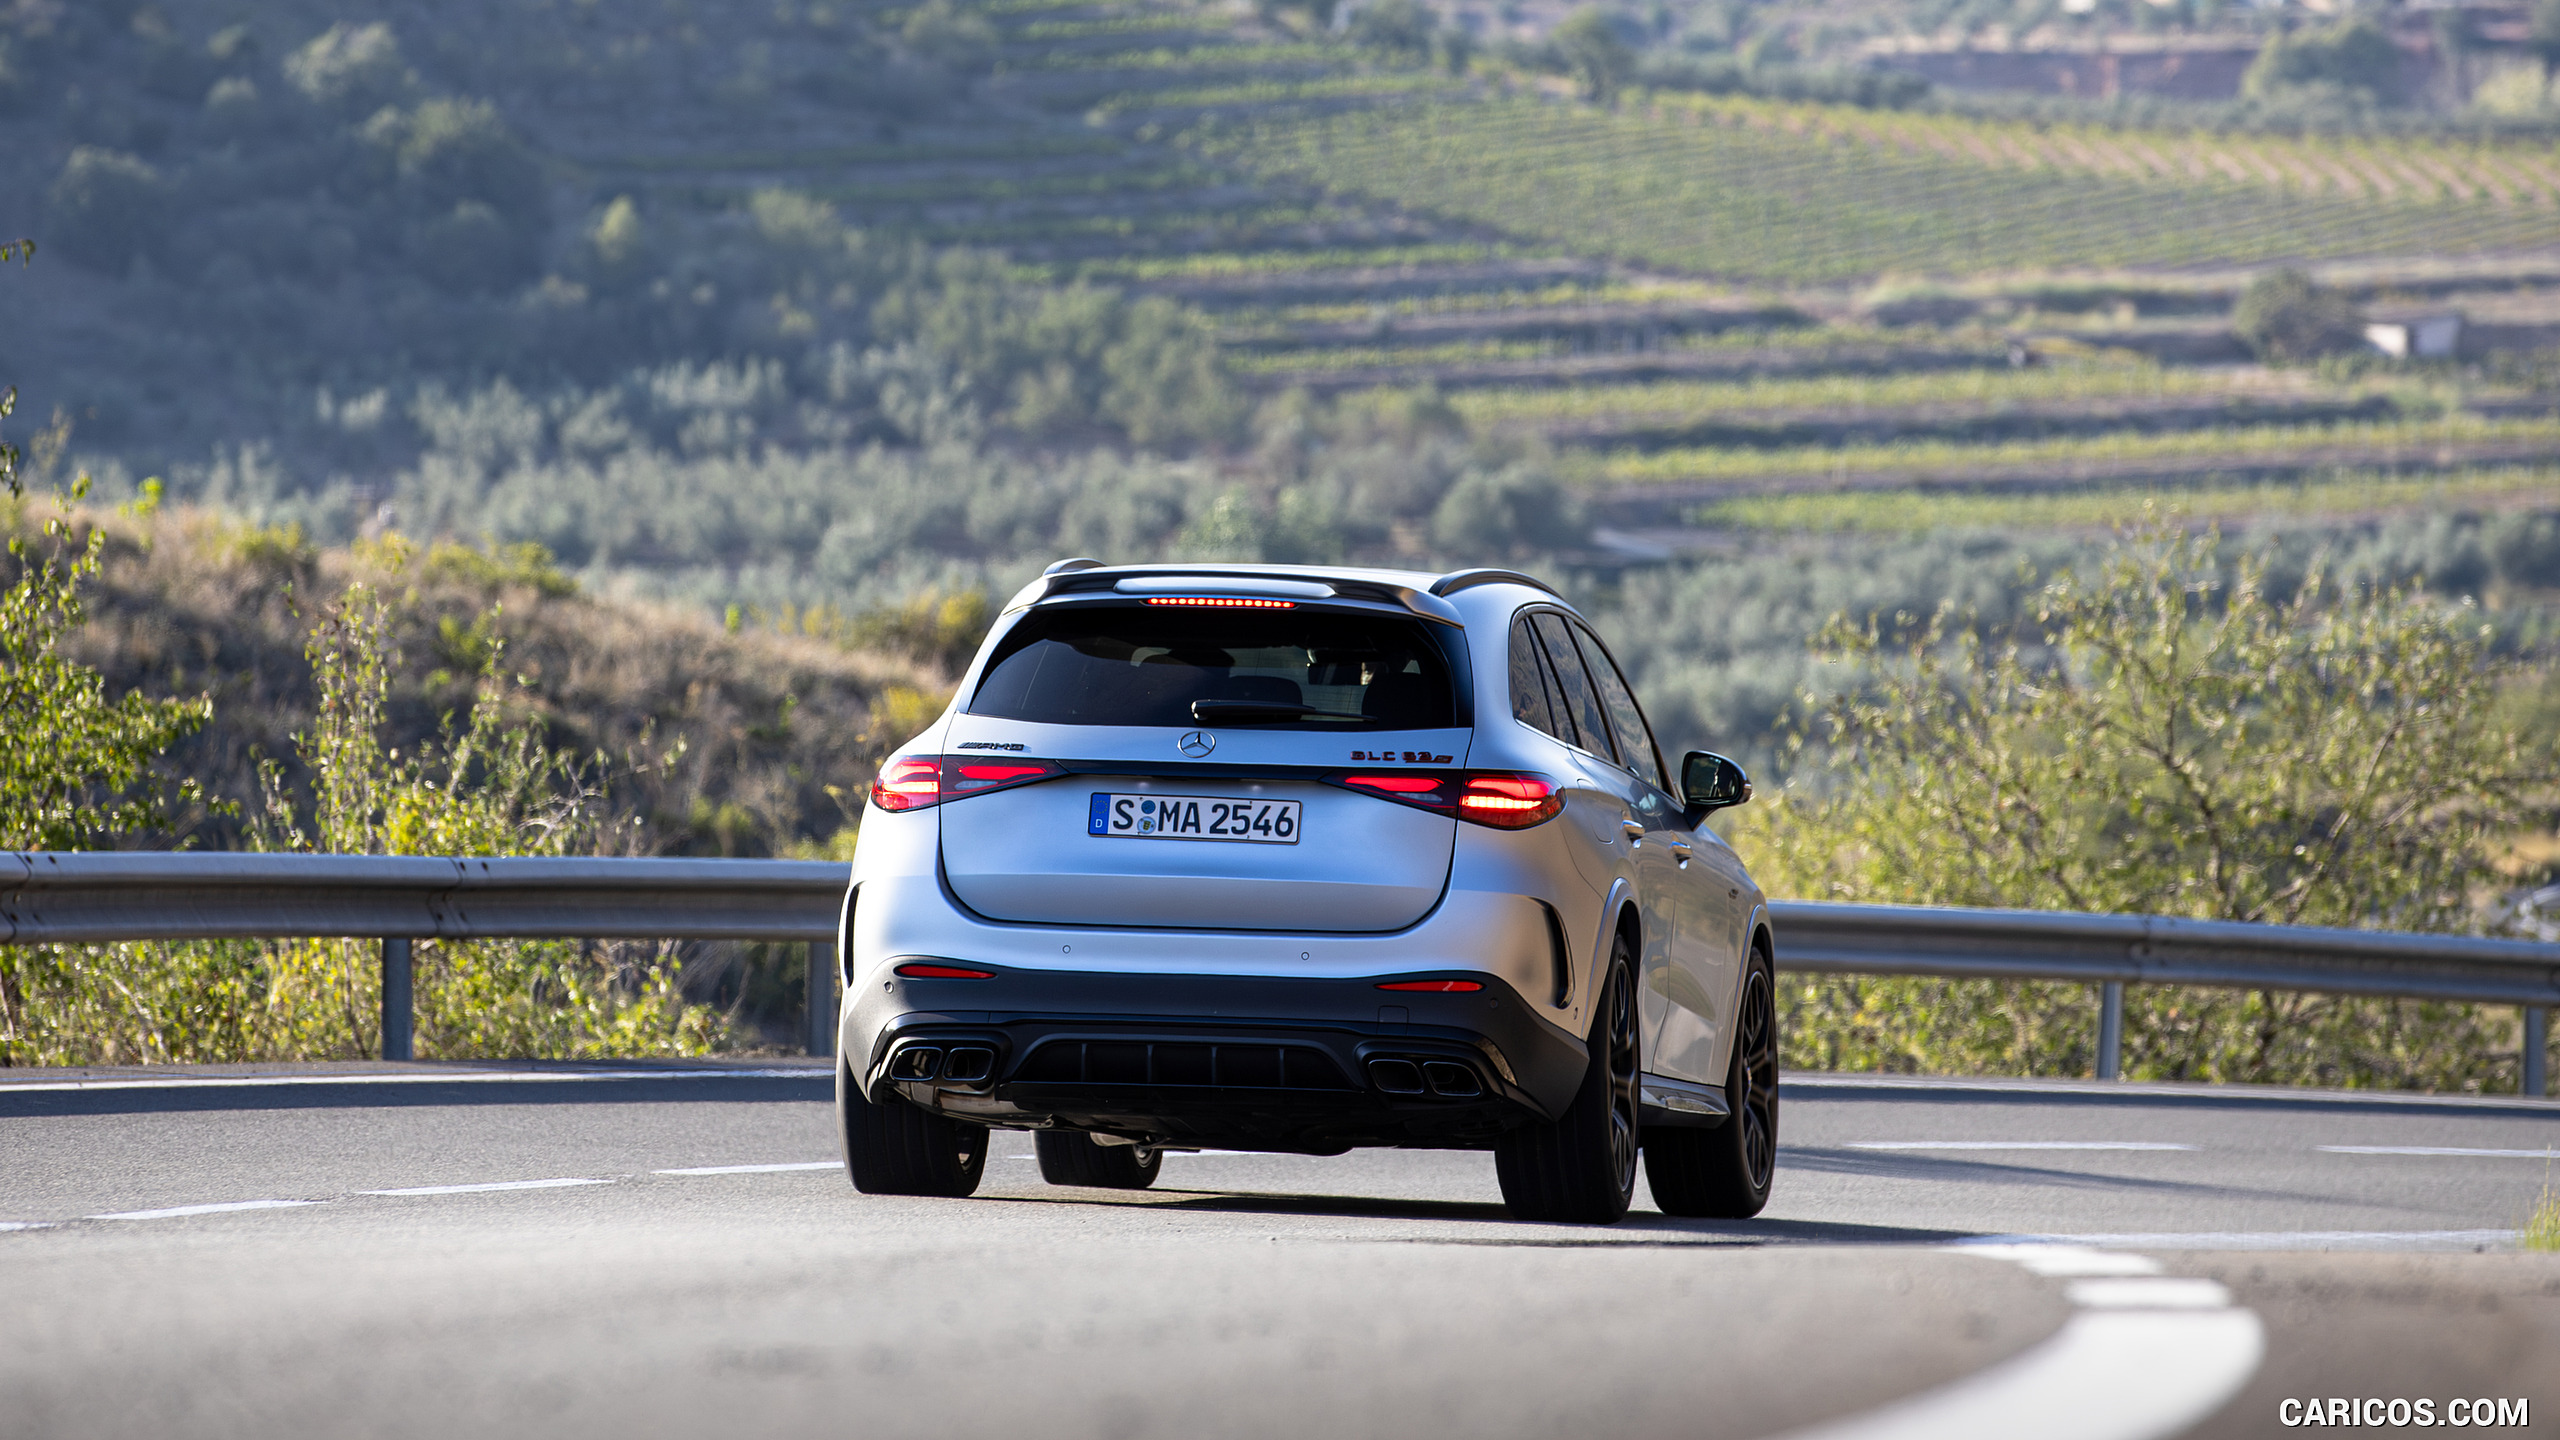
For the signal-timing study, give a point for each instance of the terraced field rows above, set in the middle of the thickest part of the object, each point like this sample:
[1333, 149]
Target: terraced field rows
[1914, 511]
[1983, 389]
[1769, 205]
[2403, 442]
[2395, 169]
[1349, 224]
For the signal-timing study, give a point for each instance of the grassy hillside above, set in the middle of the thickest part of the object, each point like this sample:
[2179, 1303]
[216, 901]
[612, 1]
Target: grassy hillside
[711, 742]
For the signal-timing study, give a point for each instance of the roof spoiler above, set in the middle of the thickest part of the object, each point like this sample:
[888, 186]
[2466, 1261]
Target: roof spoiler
[1457, 580]
[1427, 605]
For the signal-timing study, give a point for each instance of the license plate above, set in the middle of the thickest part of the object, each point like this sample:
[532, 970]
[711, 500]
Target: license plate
[1193, 817]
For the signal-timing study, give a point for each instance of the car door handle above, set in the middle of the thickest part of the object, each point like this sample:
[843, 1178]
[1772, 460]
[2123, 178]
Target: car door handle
[1633, 827]
[1680, 848]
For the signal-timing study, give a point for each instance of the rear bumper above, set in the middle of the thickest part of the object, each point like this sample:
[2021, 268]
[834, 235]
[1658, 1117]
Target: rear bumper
[1315, 1064]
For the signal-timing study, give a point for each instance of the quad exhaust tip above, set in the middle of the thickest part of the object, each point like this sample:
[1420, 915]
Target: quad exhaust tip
[961, 1064]
[1445, 1078]
[1396, 1077]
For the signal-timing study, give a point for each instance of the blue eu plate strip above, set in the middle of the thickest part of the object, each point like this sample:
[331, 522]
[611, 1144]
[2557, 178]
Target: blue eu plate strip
[1099, 823]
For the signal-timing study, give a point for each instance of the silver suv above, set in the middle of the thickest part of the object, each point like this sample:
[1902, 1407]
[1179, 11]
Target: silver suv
[1295, 859]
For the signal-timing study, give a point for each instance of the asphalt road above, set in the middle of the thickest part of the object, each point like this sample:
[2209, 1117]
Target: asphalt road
[1983, 1260]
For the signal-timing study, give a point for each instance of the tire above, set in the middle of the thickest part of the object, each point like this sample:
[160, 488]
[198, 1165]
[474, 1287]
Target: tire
[1071, 1157]
[1725, 1173]
[893, 1148]
[1581, 1167]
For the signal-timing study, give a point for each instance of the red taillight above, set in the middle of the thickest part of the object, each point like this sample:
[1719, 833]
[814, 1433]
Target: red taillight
[919, 781]
[1223, 602]
[908, 784]
[1504, 799]
[914, 970]
[1452, 987]
[1507, 801]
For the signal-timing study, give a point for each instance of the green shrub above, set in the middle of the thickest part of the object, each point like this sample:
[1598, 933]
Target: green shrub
[618, 246]
[2284, 316]
[449, 152]
[1502, 514]
[107, 209]
[2171, 737]
[350, 70]
[76, 766]
[2354, 57]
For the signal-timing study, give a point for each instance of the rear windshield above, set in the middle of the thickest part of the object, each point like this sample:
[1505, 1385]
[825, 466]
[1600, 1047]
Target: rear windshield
[1146, 665]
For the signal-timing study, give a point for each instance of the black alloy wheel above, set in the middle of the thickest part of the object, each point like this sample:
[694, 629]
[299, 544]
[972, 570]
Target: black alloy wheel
[1725, 1173]
[1070, 1157]
[1581, 1167]
[894, 1148]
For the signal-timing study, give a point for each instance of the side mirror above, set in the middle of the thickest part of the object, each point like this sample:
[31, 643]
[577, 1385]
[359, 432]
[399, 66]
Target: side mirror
[1709, 782]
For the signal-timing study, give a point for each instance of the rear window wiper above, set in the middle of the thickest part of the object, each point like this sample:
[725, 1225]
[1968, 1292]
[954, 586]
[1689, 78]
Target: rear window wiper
[1206, 711]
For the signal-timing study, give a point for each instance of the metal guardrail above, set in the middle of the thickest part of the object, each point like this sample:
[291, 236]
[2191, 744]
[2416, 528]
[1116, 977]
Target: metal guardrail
[96, 897]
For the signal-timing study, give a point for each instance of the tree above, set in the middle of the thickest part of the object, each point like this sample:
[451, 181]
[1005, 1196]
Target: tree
[2173, 737]
[1593, 52]
[2285, 317]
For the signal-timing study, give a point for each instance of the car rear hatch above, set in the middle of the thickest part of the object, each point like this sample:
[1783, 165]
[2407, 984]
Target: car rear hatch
[1220, 818]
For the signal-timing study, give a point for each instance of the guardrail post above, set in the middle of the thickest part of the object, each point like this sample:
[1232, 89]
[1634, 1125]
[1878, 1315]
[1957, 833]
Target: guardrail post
[2111, 1031]
[2537, 1049]
[398, 1015]
[822, 999]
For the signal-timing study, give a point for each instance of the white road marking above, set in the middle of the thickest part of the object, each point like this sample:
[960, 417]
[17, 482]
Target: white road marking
[175, 1211]
[463, 1077]
[2015, 1145]
[2143, 1357]
[2261, 1239]
[762, 1169]
[2542, 1154]
[2150, 1292]
[493, 1185]
[26, 1224]
[2063, 1262]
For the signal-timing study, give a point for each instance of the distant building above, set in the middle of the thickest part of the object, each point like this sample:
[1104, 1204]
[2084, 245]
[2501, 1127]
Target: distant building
[2415, 334]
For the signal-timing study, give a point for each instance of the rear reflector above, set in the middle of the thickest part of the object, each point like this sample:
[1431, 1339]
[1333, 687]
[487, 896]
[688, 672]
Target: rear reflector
[1503, 799]
[1396, 784]
[1223, 602]
[916, 781]
[1450, 987]
[916, 970]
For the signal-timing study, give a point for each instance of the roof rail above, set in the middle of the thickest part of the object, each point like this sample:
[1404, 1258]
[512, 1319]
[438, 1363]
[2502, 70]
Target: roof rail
[1457, 580]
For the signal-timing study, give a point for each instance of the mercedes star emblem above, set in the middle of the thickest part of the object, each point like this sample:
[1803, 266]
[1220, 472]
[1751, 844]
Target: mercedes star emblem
[1196, 743]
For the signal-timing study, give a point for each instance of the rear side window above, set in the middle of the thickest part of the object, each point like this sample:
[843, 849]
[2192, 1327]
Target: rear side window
[1581, 703]
[1626, 721]
[1145, 665]
[1533, 701]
